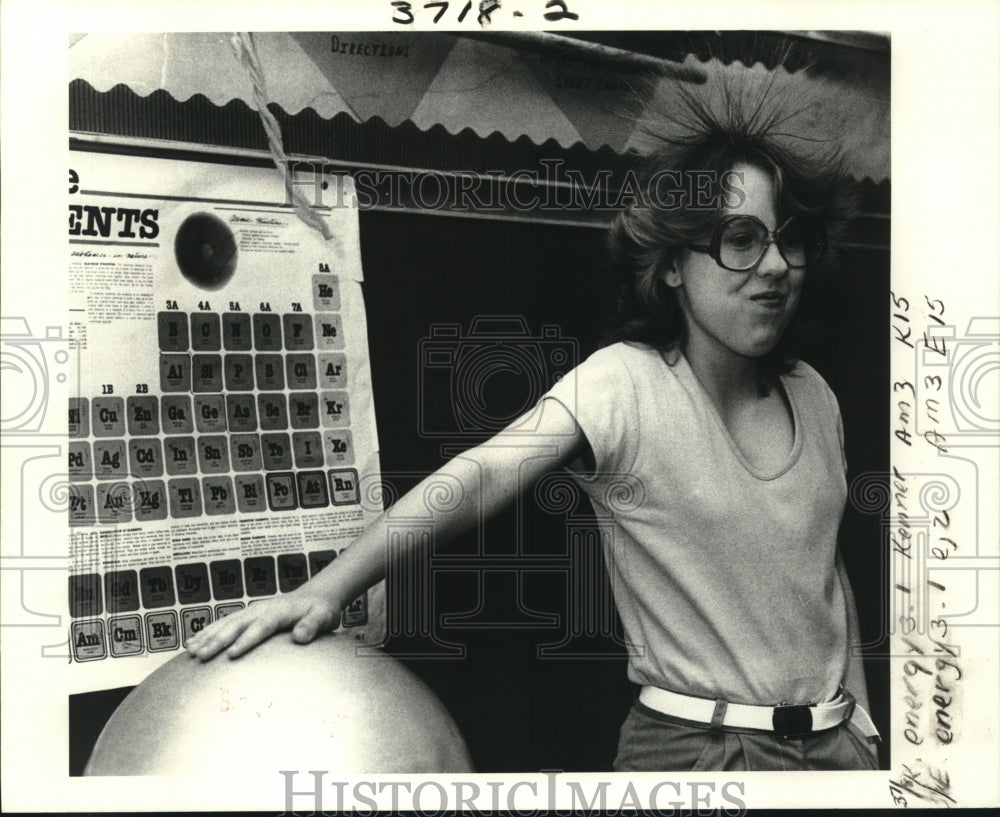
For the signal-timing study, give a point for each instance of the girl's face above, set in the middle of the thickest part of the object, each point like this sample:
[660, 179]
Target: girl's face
[738, 312]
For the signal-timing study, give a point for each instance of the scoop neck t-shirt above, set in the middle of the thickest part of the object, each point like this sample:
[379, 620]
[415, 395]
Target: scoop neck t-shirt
[724, 576]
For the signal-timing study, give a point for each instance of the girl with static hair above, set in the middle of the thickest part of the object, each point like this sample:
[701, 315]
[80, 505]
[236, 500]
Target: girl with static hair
[733, 598]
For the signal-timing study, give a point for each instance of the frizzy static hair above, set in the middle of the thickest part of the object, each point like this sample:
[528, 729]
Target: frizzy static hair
[740, 116]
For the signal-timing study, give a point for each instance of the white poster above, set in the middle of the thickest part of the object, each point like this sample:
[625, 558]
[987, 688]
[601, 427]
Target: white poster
[221, 427]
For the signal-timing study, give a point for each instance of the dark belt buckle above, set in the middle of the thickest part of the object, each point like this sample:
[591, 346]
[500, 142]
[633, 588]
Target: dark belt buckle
[792, 721]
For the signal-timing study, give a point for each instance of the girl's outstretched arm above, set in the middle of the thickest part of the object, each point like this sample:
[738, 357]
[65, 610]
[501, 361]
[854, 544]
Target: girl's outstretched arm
[487, 479]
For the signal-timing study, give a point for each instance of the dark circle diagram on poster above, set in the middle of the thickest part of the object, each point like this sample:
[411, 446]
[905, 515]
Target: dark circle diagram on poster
[205, 249]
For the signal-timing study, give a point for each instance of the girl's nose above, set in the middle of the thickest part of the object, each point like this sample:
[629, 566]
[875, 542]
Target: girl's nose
[772, 263]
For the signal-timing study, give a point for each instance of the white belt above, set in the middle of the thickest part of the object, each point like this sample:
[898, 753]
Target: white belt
[786, 721]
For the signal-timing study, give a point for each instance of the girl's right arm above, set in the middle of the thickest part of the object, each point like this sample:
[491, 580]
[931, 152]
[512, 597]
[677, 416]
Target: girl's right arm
[488, 478]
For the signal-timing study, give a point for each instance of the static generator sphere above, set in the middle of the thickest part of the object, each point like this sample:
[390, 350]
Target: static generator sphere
[281, 706]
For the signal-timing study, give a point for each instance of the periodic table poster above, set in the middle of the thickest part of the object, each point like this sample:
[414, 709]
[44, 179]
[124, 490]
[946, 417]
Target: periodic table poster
[222, 432]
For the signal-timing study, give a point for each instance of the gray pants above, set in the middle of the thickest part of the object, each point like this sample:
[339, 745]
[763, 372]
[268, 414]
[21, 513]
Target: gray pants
[652, 742]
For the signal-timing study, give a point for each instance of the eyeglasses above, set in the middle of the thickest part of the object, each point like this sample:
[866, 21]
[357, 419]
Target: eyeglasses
[740, 242]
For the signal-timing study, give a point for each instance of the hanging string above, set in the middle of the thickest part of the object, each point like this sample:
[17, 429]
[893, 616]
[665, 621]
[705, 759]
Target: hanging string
[246, 53]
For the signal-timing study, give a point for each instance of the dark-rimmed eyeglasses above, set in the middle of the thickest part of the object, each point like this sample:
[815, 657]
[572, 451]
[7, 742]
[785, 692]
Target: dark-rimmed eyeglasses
[740, 242]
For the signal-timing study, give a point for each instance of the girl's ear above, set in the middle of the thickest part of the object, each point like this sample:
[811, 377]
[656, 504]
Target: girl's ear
[671, 277]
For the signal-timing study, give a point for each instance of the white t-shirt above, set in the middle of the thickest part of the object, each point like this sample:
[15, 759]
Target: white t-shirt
[724, 577]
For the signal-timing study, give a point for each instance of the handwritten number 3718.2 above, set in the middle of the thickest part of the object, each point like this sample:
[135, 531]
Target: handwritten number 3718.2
[557, 10]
